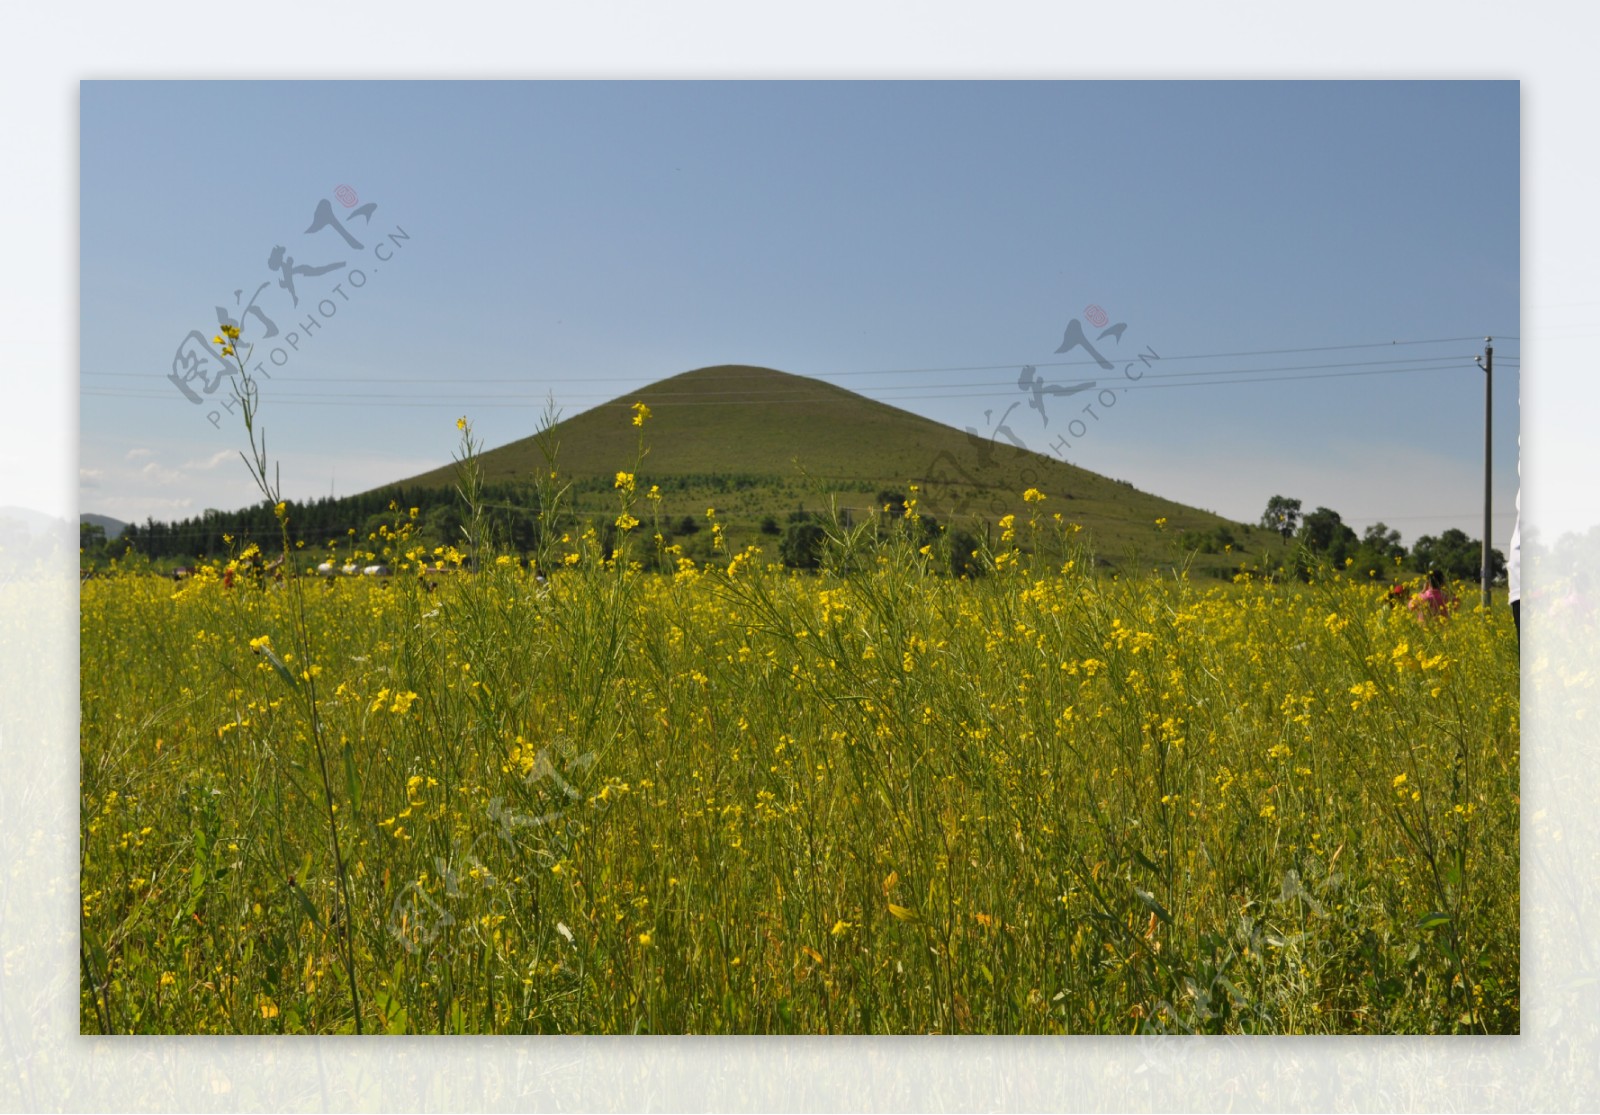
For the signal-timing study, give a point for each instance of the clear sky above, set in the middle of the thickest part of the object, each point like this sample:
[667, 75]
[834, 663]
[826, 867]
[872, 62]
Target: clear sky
[1315, 263]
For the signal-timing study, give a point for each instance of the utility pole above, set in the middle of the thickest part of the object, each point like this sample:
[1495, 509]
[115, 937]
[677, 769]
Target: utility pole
[1487, 362]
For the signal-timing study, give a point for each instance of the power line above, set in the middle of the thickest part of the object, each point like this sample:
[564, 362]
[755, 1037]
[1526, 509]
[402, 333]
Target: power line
[1189, 356]
[761, 399]
[733, 377]
[824, 375]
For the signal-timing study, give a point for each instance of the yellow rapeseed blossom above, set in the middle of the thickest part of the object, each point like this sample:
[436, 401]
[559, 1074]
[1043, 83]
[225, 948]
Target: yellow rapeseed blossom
[771, 747]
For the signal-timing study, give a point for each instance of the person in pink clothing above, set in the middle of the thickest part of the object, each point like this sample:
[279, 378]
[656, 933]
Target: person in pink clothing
[1433, 600]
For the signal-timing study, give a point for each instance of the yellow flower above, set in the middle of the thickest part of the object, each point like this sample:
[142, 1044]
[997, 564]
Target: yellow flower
[840, 928]
[624, 481]
[626, 521]
[640, 413]
[461, 423]
[644, 940]
[1032, 495]
[1161, 523]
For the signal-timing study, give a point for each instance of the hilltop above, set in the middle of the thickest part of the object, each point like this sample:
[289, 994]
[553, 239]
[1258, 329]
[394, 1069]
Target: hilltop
[754, 442]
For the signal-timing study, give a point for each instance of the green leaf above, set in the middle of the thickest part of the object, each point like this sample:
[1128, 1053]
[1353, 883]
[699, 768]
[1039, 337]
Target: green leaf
[1144, 861]
[1433, 920]
[1152, 905]
[306, 906]
[277, 664]
[391, 1013]
[352, 784]
[197, 889]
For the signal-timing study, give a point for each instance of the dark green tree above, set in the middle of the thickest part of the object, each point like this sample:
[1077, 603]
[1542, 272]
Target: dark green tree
[1282, 515]
[1379, 548]
[964, 550]
[801, 547]
[1324, 533]
[1456, 555]
[91, 539]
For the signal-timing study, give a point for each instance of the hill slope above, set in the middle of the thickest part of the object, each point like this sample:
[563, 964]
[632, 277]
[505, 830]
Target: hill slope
[112, 527]
[754, 441]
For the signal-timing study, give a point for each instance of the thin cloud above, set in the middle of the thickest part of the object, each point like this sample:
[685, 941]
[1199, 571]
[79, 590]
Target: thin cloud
[212, 461]
[158, 475]
[137, 508]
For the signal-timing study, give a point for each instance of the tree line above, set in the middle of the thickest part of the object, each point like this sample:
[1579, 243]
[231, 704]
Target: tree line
[1322, 536]
[512, 512]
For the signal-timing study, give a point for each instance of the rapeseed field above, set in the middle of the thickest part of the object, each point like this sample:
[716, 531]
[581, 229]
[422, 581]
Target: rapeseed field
[586, 798]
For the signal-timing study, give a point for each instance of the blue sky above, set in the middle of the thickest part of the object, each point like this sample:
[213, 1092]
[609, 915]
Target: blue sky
[919, 242]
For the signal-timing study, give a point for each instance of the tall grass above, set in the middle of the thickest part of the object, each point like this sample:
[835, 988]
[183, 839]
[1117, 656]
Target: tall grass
[736, 799]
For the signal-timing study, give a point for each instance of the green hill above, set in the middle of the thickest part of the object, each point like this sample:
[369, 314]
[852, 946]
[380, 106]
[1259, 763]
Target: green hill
[757, 443]
[112, 527]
